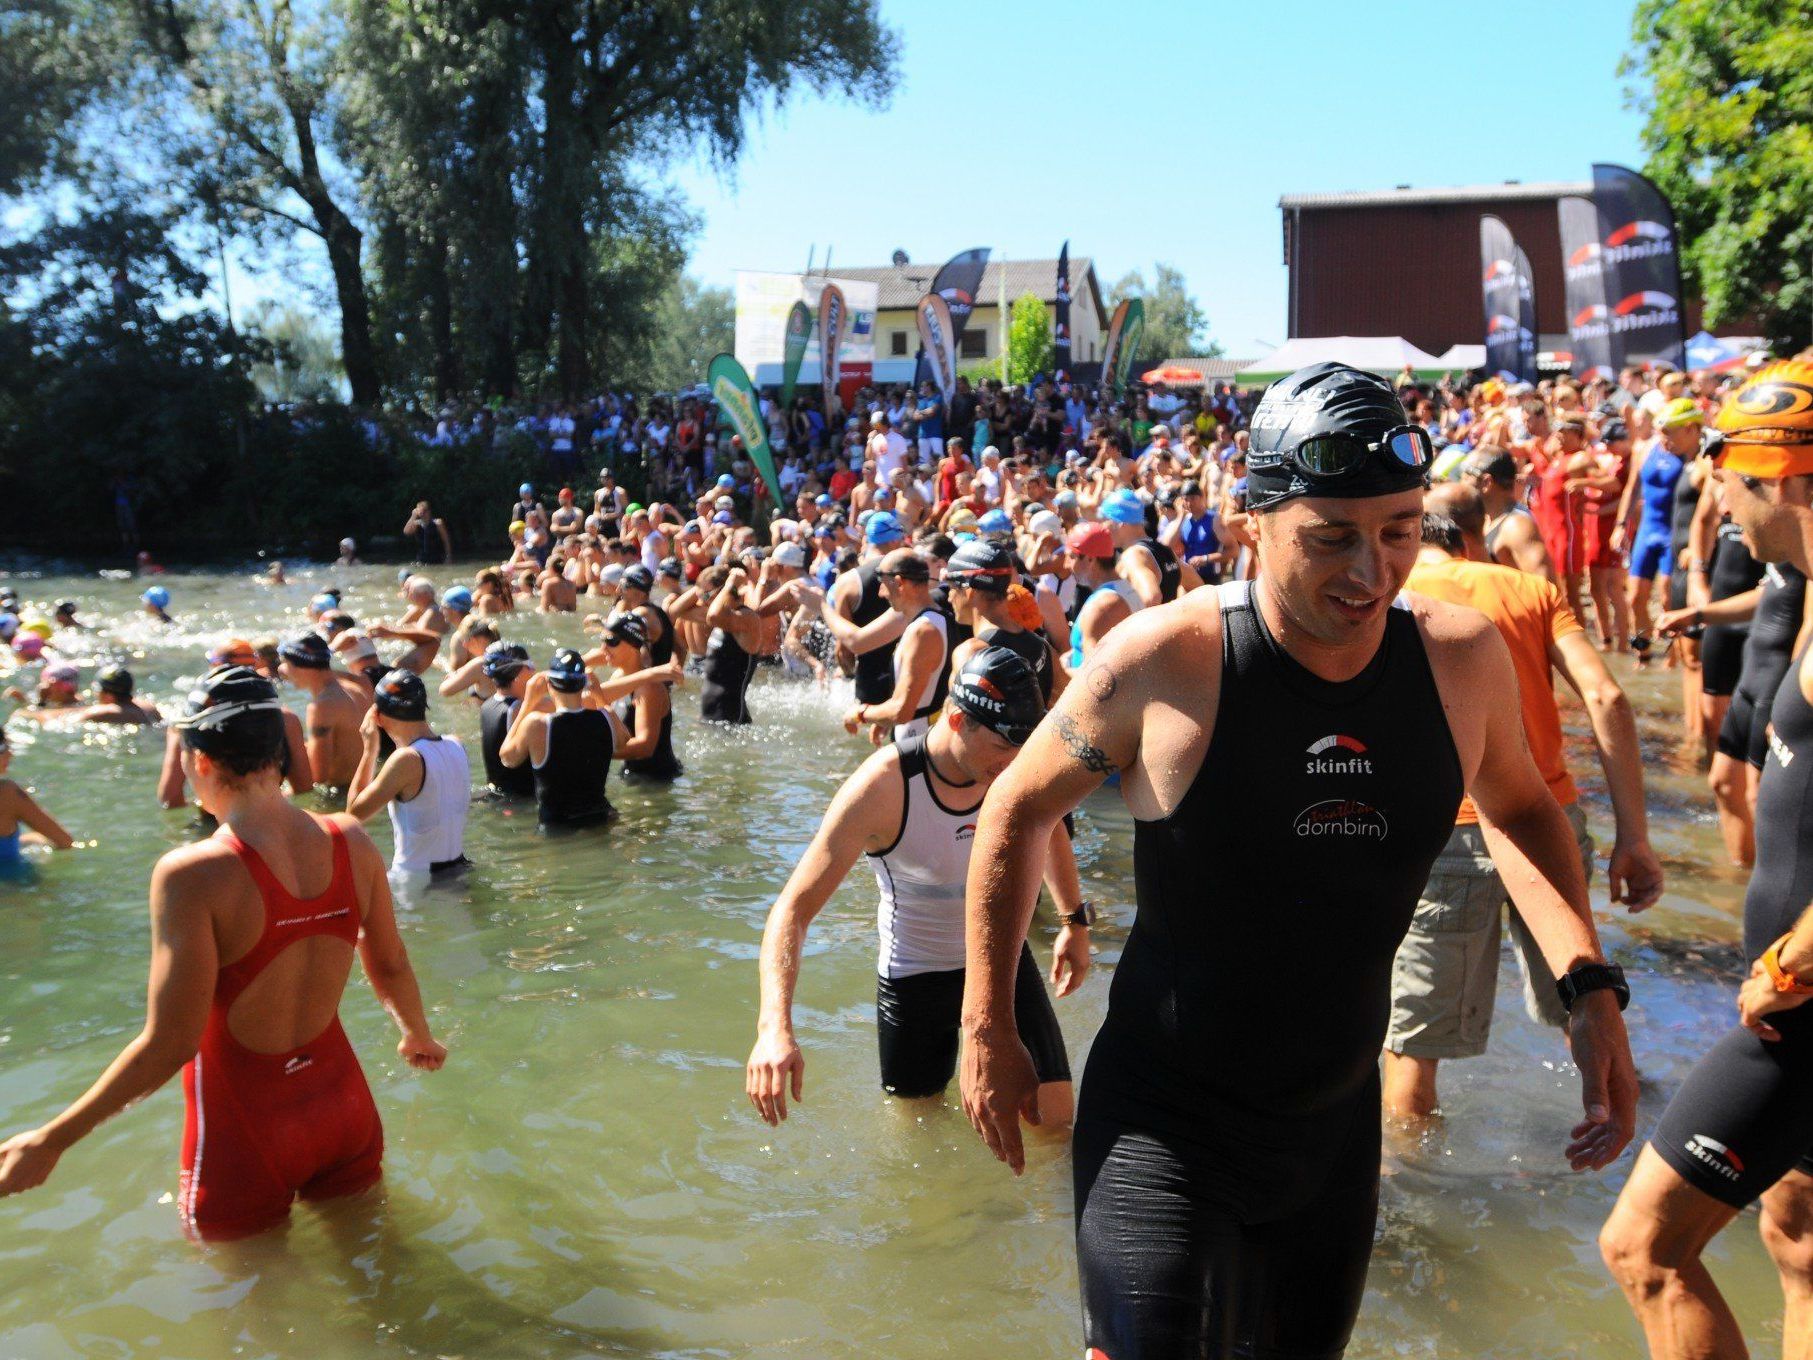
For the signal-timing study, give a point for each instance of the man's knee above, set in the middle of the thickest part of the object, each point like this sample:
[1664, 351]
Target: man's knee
[1788, 1236]
[1639, 1259]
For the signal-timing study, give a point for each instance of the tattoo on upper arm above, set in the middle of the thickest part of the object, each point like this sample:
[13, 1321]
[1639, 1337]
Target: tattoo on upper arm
[1090, 756]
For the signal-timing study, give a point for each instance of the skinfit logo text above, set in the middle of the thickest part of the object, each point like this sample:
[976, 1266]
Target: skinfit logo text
[1337, 754]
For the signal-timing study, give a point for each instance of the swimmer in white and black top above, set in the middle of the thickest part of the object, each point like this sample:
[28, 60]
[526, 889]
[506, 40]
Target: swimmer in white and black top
[426, 782]
[911, 808]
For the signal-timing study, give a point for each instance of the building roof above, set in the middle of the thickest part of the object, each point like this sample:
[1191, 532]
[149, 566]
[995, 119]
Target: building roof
[902, 288]
[1404, 196]
[1212, 370]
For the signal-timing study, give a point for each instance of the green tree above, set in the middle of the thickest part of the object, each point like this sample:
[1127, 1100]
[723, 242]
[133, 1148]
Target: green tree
[1728, 93]
[691, 323]
[301, 361]
[1029, 347]
[1175, 321]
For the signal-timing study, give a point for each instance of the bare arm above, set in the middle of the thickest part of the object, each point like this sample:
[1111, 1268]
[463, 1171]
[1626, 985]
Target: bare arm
[383, 956]
[921, 652]
[300, 773]
[366, 797]
[879, 631]
[861, 817]
[652, 705]
[26, 809]
[170, 779]
[1636, 873]
[1140, 571]
[184, 962]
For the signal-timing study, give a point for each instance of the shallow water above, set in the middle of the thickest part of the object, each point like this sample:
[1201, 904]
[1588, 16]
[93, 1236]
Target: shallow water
[585, 1177]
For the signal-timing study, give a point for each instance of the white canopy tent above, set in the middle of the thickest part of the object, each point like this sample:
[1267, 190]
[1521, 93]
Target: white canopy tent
[1385, 354]
[1457, 357]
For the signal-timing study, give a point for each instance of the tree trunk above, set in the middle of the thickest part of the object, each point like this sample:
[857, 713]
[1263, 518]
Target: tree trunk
[440, 316]
[344, 244]
[575, 363]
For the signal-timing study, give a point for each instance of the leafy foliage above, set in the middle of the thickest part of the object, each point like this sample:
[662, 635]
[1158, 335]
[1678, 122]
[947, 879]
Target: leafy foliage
[1029, 344]
[1728, 93]
[1175, 321]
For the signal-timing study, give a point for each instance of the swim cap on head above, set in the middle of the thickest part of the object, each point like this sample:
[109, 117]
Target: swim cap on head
[981, 565]
[233, 652]
[726, 480]
[457, 597]
[670, 566]
[354, 646]
[41, 627]
[1124, 507]
[503, 660]
[884, 527]
[566, 672]
[60, 673]
[157, 596]
[638, 577]
[517, 526]
[401, 695]
[115, 680]
[1680, 411]
[525, 490]
[66, 607]
[1090, 538]
[1767, 423]
[233, 716]
[1332, 411]
[307, 650]
[625, 627]
[28, 646]
[995, 522]
[322, 603]
[723, 517]
[611, 574]
[997, 690]
[347, 545]
[1045, 522]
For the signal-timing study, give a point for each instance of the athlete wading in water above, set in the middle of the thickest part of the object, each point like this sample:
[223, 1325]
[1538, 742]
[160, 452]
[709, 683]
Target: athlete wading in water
[1226, 1150]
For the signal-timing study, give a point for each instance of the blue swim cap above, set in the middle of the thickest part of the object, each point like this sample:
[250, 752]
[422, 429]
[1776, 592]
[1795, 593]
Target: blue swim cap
[525, 490]
[995, 522]
[884, 527]
[1124, 507]
[323, 602]
[823, 500]
[723, 517]
[158, 596]
[726, 480]
[457, 597]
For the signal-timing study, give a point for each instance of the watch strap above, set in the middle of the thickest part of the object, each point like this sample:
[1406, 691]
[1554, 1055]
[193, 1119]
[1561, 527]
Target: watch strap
[1784, 981]
[1592, 977]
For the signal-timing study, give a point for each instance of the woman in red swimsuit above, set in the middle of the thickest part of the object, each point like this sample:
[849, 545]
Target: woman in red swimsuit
[252, 940]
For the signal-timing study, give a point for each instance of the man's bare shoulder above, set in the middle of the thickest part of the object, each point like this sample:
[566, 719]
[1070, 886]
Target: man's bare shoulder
[1462, 642]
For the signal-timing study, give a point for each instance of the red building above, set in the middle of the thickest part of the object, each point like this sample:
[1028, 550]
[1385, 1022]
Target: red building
[1406, 261]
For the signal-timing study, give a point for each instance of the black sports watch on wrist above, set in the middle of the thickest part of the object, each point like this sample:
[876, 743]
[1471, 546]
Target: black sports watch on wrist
[1083, 916]
[1592, 977]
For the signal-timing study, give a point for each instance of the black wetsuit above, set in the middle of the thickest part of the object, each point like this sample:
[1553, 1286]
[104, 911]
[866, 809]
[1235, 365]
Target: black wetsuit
[724, 686]
[1734, 571]
[569, 784]
[662, 763]
[1686, 501]
[955, 634]
[874, 669]
[1170, 575]
[1767, 654]
[660, 648]
[1227, 1139]
[1744, 1116]
[494, 717]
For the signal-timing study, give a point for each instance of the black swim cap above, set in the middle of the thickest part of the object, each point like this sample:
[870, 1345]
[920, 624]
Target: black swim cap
[308, 650]
[401, 695]
[998, 690]
[503, 660]
[233, 716]
[624, 626]
[981, 565]
[115, 680]
[1325, 401]
[638, 577]
[567, 672]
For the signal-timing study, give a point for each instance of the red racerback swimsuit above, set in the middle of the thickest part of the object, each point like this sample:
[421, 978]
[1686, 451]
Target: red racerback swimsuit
[263, 1128]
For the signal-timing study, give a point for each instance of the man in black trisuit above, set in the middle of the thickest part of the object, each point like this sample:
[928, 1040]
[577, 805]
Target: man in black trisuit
[857, 595]
[567, 737]
[633, 596]
[506, 665]
[1227, 1139]
[1741, 1126]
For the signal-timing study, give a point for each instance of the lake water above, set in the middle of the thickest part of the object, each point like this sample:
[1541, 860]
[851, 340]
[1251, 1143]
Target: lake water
[586, 1178]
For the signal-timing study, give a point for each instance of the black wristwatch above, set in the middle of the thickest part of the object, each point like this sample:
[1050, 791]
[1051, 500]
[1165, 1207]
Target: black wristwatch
[1083, 916]
[1592, 977]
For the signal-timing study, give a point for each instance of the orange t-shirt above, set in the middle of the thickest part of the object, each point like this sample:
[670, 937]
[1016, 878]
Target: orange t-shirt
[1529, 613]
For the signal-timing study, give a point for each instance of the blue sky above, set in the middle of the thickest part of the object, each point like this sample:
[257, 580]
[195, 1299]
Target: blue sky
[1168, 133]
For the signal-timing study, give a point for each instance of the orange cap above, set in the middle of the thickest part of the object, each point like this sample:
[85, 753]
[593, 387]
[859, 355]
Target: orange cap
[233, 652]
[1768, 422]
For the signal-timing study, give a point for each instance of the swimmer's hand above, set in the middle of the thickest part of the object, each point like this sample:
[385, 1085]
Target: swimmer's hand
[775, 1066]
[1635, 875]
[26, 1161]
[1000, 1088]
[421, 1050]
[369, 731]
[1758, 997]
[1675, 621]
[1070, 959]
[1608, 1082]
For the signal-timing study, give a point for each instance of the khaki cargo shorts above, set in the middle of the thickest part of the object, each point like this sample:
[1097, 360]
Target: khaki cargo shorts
[1445, 979]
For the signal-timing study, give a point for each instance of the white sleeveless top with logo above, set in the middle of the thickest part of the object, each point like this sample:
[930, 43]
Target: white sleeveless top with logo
[922, 876]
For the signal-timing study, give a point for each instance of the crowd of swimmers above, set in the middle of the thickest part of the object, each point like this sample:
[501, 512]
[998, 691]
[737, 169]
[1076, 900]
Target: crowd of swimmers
[1340, 595]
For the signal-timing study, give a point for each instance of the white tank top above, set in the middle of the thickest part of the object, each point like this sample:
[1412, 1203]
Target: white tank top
[920, 723]
[922, 876]
[431, 827]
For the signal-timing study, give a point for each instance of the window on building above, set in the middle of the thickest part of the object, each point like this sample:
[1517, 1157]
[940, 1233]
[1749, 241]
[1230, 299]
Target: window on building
[975, 344]
[897, 343]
